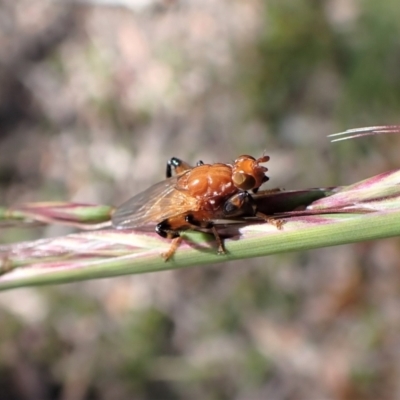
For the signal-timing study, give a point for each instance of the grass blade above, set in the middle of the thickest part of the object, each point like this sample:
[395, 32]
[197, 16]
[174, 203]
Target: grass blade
[110, 252]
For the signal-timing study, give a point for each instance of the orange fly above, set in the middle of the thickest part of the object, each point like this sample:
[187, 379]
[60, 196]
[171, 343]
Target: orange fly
[194, 198]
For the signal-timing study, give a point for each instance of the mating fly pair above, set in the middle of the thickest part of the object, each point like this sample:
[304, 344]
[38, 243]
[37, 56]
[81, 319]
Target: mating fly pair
[195, 198]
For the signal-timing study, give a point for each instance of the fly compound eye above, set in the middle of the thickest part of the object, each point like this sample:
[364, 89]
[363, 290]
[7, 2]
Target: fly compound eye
[243, 181]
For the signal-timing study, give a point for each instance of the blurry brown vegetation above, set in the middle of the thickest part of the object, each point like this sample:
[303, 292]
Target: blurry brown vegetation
[95, 97]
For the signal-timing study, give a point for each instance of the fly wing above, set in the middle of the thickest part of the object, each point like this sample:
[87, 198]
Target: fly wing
[159, 202]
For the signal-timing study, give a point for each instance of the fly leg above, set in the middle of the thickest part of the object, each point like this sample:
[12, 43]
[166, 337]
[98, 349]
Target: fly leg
[175, 243]
[178, 166]
[190, 219]
[164, 229]
[171, 227]
[278, 223]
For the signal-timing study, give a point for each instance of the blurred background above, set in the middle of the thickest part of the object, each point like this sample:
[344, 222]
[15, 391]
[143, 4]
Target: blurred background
[96, 96]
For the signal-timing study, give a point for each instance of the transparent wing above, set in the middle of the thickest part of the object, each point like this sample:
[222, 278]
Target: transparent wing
[159, 202]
